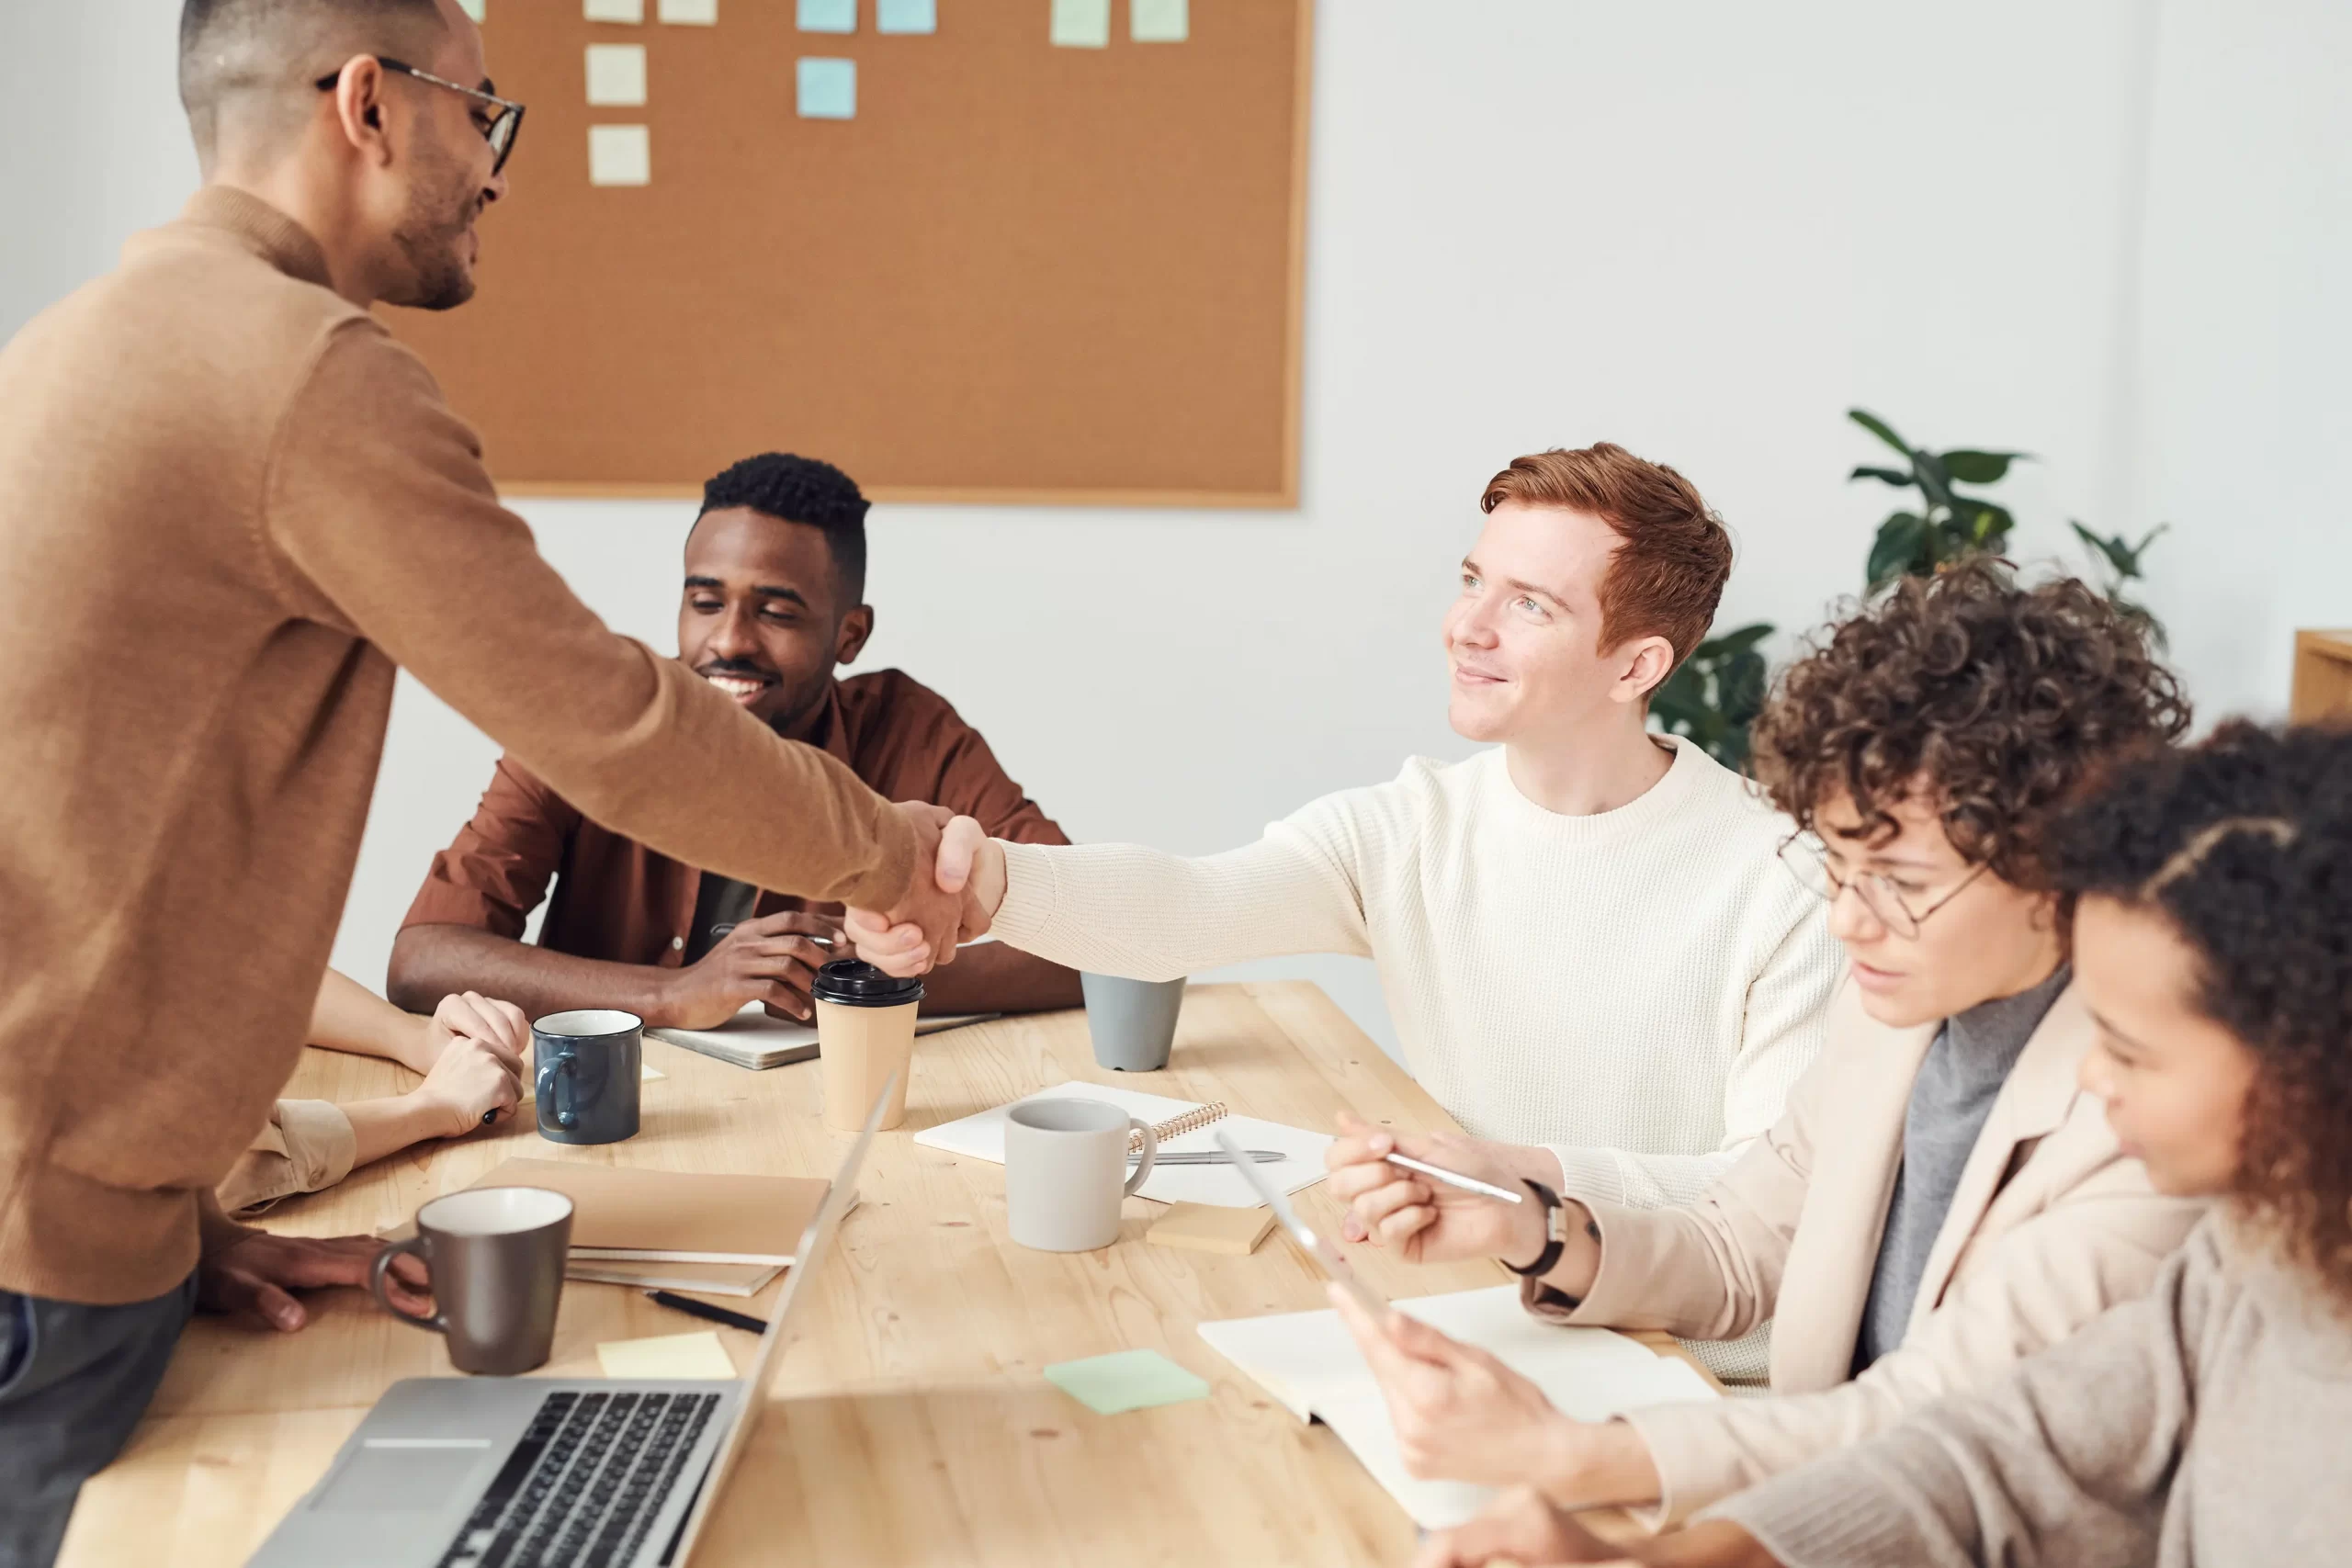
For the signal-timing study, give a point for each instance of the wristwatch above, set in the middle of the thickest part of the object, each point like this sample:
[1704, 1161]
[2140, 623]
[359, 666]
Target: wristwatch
[1555, 1234]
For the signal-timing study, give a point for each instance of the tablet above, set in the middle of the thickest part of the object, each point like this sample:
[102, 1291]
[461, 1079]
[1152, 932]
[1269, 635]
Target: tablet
[1326, 1255]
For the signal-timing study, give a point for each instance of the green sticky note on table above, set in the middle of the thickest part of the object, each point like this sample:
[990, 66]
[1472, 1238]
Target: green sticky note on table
[1129, 1379]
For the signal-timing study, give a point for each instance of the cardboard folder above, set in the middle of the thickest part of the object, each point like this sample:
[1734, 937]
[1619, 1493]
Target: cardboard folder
[672, 1217]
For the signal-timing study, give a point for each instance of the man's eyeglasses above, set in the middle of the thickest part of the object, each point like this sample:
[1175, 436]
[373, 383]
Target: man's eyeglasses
[507, 118]
[1879, 896]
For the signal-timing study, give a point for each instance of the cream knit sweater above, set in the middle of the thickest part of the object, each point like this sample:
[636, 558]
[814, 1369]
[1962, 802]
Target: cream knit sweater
[1635, 990]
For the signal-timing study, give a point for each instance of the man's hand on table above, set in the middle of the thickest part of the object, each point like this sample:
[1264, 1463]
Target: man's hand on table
[252, 1276]
[960, 869]
[773, 960]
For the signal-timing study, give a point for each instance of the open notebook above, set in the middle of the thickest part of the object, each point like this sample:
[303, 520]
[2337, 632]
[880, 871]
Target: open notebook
[751, 1039]
[982, 1137]
[1308, 1361]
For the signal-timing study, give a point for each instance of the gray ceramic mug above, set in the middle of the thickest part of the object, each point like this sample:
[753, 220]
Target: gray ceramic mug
[588, 1065]
[497, 1257]
[1066, 1172]
[1133, 1022]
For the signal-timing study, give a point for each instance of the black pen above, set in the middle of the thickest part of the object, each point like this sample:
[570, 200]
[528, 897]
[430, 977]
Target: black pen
[706, 1312]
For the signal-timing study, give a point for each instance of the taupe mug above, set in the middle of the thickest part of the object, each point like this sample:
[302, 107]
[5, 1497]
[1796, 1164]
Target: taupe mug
[497, 1257]
[1066, 1172]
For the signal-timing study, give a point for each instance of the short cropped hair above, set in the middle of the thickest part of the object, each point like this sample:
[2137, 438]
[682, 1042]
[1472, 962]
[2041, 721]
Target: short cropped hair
[1666, 579]
[2244, 844]
[801, 490]
[1999, 703]
[230, 48]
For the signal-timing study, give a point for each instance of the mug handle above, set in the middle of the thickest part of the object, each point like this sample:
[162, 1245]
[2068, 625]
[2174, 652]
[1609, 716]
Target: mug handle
[553, 1086]
[1143, 1164]
[413, 1246]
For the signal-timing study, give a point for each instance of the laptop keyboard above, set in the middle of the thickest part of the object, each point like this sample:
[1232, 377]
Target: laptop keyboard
[583, 1485]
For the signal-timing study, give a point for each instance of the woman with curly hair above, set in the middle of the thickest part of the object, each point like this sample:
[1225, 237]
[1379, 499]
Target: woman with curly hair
[1939, 1197]
[2204, 1423]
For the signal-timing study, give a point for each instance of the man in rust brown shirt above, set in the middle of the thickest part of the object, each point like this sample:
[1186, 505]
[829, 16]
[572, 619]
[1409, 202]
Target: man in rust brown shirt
[772, 601]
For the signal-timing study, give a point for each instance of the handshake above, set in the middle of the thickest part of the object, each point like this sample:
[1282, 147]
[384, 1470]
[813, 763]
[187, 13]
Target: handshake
[957, 885]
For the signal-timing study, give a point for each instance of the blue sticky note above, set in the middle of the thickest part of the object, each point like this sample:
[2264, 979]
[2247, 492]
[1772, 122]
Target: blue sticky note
[828, 88]
[1130, 1380]
[828, 16]
[906, 16]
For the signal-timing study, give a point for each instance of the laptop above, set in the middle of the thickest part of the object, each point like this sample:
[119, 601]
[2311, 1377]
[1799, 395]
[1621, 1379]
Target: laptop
[545, 1472]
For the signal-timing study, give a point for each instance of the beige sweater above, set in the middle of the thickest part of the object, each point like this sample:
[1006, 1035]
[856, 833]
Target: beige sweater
[230, 506]
[2208, 1425]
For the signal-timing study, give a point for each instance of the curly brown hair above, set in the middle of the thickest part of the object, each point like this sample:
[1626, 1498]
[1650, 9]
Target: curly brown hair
[2245, 844]
[2001, 702]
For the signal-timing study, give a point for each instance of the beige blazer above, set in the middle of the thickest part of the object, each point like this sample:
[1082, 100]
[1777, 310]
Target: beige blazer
[2050, 1226]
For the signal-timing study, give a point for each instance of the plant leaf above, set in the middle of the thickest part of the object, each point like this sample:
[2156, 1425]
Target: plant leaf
[1879, 428]
[1980, 525]
[1970, 467]
[1896, 550]
[1899, 477]
[1732, 644]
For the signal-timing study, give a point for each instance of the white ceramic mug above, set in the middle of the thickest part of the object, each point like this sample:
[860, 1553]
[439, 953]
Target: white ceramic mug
[1066, 1172]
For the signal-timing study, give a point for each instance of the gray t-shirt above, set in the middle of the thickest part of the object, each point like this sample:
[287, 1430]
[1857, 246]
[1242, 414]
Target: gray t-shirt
[1958, 1081]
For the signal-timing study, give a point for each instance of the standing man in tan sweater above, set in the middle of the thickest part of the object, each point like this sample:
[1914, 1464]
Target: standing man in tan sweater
[217, 439]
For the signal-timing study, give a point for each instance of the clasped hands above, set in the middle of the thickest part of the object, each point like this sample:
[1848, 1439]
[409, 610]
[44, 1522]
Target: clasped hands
[957, 885]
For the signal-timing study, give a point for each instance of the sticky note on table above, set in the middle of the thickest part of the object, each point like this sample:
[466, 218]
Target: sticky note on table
[613, 10]
[1206, 1227]
[667, 1356]
[1129, 1379]
[693, 13]
[906, 16]
[1160, 21]
[1082, 24]
[616, 74]
[828, 88]
[826, 15]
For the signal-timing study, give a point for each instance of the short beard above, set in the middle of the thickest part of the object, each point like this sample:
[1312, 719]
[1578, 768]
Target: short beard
[442, 206]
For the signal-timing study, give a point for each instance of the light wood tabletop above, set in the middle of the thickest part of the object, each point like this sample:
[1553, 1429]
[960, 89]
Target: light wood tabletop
[909, 1421]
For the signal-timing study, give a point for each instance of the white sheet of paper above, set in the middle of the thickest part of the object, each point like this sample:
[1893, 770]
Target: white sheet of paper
[1308, 1361]
[982, 1137]
[690, 13]
[1160, 21]
[616, 74]
[1081, 23]
[620, 155]
[667, 1356]
[613, 10]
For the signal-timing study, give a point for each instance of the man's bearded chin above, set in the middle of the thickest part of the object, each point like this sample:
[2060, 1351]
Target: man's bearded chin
[431, 238]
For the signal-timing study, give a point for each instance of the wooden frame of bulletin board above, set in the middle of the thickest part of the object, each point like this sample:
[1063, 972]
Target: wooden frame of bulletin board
[1016, 271]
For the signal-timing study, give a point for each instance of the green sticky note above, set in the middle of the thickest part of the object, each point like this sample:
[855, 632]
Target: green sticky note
[1130, 1380]
[1160, 21]
[826, 15]
[1081, 23]
[828, 88]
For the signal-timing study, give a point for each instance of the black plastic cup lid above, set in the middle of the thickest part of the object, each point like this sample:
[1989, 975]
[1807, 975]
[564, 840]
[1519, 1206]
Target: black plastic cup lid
[853, 983]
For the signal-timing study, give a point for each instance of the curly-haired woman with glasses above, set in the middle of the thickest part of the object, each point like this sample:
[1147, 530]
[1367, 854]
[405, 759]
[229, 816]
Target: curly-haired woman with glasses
[2204, 1423]
[1940, 1197]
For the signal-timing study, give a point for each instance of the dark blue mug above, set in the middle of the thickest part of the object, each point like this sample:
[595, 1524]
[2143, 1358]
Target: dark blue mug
[588, 1064]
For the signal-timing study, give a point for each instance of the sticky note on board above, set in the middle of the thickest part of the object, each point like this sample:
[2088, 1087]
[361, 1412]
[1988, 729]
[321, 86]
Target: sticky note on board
[667, 1356]
[826, 15]
[472, 8]
[1160, 21]
[616, 74]
[1081, 23]
[906, 16]
[692, 13]
[1129, 1379]
[620, 155]
[631, 11]
[828, 88]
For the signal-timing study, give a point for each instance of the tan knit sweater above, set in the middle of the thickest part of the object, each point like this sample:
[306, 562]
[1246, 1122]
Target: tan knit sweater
[230, 503]
[2208, 1424]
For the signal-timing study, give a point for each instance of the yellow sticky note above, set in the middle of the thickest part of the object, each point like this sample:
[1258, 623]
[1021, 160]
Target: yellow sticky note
[616, 74]
[691, 13]
[620, 155]
[667, 1356]
[613, 10]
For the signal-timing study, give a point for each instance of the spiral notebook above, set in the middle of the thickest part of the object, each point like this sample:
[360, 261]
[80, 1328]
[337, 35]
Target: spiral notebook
[1183, 1125]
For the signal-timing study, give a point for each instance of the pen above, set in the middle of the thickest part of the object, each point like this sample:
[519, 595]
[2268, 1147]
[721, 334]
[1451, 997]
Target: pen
[706, 1312]
[1213, 1157]
[1455, 1179]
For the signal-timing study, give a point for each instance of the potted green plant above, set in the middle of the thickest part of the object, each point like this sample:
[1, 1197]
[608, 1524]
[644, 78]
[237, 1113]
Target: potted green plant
[1714, 695]
[1948, 522]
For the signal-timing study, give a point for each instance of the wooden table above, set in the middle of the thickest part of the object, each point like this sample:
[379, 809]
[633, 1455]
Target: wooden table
[908, 1422]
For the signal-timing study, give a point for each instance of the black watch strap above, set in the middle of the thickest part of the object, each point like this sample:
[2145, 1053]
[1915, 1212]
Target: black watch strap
[1554, 1243]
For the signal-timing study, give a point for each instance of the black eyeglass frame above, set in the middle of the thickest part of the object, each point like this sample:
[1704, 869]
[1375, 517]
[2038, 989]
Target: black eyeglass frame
[509, 122]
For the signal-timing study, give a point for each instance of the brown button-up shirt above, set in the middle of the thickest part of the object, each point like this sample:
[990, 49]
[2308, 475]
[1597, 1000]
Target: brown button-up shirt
[619, 901]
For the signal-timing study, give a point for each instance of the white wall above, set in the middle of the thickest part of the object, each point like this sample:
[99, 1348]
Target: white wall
[2111, 233]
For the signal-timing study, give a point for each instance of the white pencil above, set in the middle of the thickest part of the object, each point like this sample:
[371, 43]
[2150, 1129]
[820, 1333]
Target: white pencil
[1455, 1179]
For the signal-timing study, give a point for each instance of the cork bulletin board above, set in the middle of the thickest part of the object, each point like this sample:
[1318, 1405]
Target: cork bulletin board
[1048, 251]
